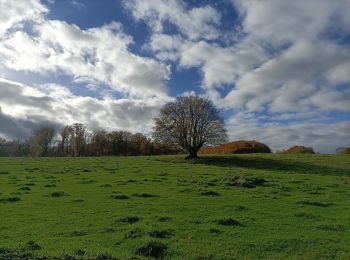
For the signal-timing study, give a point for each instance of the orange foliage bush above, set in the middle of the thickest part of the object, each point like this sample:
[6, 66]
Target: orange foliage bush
[343, 150]
[298, 149]
[240, 146]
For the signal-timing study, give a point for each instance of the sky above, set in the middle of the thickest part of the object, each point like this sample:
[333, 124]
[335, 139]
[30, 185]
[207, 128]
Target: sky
[278, 70]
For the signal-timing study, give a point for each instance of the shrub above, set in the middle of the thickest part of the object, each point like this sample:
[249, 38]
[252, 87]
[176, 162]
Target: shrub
[298, 149]
[343, 150]
[237, 147]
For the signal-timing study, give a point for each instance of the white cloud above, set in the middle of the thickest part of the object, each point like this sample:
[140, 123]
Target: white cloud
[14, 12]
[278, 22]
[100, 54]
[290, 81]
[196, 23]
[285, 59]
[26, 107]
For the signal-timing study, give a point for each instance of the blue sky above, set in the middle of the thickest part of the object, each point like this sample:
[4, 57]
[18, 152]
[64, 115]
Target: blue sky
[278, 70]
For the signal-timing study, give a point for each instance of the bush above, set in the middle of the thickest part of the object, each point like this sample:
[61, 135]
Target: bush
[343, 150]
[298, 149]
[237, 147]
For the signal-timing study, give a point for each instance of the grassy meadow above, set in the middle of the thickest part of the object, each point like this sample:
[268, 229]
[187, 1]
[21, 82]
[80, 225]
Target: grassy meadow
[257, 206]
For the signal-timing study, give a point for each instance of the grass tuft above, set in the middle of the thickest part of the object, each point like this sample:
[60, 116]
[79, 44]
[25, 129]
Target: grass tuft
[32, 245]
[210, 193]
[10, 199]
[315, 203]
[119, 197]
[228, 222]
[130, 219]
[161, 233]
[57, 194]
[152, 249]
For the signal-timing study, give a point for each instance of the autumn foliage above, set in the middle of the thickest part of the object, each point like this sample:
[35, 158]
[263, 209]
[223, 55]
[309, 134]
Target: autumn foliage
[297, 149]
[343, 150]
[241, 146]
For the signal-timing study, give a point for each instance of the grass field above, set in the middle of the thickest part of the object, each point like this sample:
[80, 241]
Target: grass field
[245, 207]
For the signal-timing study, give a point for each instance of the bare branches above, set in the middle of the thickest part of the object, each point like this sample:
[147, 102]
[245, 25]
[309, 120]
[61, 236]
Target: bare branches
[190, 122]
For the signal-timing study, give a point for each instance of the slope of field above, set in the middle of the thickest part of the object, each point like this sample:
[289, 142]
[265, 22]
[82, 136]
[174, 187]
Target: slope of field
[244, 206]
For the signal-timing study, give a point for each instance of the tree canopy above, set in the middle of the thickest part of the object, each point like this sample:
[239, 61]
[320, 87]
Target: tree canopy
[190, 122]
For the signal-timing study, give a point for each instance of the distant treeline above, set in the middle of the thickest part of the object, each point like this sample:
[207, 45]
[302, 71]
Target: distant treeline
[77, 140]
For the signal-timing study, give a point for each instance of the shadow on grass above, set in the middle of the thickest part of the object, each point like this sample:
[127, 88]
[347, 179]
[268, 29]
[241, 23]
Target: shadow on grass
[260, 163]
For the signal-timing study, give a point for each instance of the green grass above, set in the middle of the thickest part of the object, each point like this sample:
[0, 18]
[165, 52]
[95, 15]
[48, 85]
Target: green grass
[245, 206]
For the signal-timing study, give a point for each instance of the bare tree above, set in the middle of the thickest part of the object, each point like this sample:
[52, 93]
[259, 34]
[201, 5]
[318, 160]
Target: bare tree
[41, 140]
[190, 122]
[99, 143]
[65, 143]
[79, 135]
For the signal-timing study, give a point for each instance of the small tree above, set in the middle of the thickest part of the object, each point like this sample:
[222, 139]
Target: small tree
[190, 122]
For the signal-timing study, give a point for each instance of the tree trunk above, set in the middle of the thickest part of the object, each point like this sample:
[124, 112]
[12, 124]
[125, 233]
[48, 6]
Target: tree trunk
[193, 154]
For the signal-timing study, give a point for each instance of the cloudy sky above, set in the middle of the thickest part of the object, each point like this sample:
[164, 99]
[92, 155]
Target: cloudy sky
[278, 69]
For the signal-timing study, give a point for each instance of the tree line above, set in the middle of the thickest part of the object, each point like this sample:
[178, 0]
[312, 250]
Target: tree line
[76, 140]
[186, 124]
